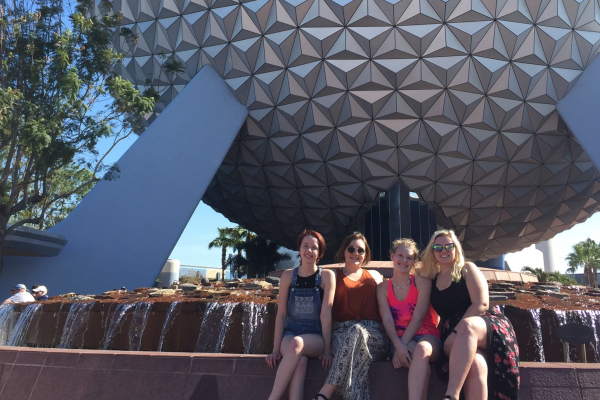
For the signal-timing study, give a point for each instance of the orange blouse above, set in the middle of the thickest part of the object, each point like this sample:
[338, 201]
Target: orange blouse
[355, 299]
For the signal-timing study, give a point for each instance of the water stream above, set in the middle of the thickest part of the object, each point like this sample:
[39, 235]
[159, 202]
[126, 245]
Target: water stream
[253, 323]
[537, 334]
[169, 318]
[77, 318]
[138, 324]
[19, 333]
[115, 325]
[8, 318]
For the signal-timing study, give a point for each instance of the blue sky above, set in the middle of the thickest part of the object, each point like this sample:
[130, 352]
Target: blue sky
[192, 247]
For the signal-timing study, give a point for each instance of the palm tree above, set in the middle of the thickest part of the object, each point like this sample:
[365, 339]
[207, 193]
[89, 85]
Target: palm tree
[541, 275]
[585, 254]
[261, 255]
[224, 240]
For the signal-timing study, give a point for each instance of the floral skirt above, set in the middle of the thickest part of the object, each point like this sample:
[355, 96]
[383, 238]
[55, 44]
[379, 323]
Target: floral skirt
[355, 345]
[502, 356]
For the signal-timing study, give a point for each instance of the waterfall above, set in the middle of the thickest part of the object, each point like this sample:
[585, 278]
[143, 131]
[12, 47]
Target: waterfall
[7, 322]
[252, 324]
[20, 332]
[76, 318]
[169, 318]
[205, 329]
[224, 325]
[115, 323]
[138, 324]
[537, 334]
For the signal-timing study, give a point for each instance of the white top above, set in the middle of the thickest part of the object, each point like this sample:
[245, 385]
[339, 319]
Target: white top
[21, 297]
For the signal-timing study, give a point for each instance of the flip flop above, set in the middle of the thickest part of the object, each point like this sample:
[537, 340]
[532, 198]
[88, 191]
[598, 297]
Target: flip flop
[320, 396]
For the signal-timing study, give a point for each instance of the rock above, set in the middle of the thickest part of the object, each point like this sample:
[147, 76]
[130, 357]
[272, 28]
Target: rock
[219, 292]
[503, 285]
[251, 286]
[80, 297]
[504, 293]
[272, 280]
[546, 288]
[592, 293]
[231, 284]
[275, 291]
[553, 294]
[188, 287]
[525, 291]
[205, 282]
[497, 297]
[238, 280]
[162, 292]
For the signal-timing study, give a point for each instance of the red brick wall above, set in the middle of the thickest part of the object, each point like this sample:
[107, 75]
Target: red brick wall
[50, 374]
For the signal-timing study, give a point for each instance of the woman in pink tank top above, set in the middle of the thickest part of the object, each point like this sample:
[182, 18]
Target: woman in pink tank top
[409, 319]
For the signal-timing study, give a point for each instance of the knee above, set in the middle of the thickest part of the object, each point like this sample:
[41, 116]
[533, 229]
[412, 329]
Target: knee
[296, 345]
[470, 326]
[422, 350]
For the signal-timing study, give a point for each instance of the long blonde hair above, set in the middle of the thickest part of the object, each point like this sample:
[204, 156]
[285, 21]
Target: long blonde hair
[429, 266]
[409, 244]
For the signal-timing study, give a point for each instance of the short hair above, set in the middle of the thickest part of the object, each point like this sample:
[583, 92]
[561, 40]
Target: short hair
[316, 235]
[340, 255]
[429, 265]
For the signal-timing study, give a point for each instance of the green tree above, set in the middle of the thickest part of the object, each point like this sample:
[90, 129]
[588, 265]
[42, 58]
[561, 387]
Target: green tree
[52, 81]
[223, 241]
[540, 274]
[585, 254]
[261, 255]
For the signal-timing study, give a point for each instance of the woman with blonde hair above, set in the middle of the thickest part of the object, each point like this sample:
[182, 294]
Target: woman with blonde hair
[358, 336]
[408, 318]
[482, 356]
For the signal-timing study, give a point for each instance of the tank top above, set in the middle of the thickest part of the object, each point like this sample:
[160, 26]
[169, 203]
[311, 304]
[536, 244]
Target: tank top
[402, 311]
[450, 303]
[355, 300]
[308, 282]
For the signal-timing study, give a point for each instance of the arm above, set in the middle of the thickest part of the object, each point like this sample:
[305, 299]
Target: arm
[478, 290]
[7, 301]
[328, 284]
[284, 292]
[401, 357]
[421, 309]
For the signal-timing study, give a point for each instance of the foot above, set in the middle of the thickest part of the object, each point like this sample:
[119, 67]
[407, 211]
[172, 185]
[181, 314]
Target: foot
[322, 396]
[449, 397]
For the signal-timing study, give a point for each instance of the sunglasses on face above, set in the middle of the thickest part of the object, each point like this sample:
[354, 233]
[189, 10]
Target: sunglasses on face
[359, 250]
[439, 247]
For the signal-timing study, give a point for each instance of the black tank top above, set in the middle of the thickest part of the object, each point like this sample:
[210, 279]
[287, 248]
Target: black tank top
[451, 303]
[308, 282]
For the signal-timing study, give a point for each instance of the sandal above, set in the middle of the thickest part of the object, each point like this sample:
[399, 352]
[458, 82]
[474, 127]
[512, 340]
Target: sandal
[449, 397]
[322, 396]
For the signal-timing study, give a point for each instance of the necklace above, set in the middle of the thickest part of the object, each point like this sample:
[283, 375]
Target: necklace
[400, 287]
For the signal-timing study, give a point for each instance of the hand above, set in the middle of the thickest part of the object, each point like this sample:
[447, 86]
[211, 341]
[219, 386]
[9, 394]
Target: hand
[449, 343]
[326, 360]
[402, 356]
[273, 358]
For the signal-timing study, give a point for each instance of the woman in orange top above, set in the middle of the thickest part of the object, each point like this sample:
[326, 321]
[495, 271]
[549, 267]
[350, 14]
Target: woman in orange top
[358, 337]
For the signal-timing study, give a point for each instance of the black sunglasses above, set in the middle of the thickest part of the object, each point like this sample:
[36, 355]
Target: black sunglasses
[359, 250]
[439, 247]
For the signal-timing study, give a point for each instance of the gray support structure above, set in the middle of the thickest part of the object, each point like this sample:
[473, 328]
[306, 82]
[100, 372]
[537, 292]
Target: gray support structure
[123, 231]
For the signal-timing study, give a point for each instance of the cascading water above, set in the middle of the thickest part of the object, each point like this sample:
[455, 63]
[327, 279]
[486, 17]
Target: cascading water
[20, 331]
[206, 329]
[7, 322]
[171, 313]
[253, 323]
[138, 324]
[77, 317]
[228, 310]
[115, 323]
[214, 327]
[537, 333]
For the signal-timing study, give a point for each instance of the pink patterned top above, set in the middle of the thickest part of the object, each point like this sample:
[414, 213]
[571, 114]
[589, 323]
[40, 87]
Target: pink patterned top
[402, 311]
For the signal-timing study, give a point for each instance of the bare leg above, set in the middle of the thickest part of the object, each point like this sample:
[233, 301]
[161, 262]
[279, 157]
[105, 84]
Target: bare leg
[471, 335]
[476, 382]
[292, 349]
[418, 374]
[297, 381]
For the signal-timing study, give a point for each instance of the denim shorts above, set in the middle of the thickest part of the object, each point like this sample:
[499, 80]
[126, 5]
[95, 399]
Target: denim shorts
[297, 327]
[417, 339]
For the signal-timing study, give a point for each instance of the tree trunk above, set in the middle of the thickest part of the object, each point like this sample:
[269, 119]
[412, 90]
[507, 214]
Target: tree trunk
[3, 228]
[587, 281]
[223, 266]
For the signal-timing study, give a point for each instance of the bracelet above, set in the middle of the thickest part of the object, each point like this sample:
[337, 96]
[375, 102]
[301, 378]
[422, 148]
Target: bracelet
[454, 331]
